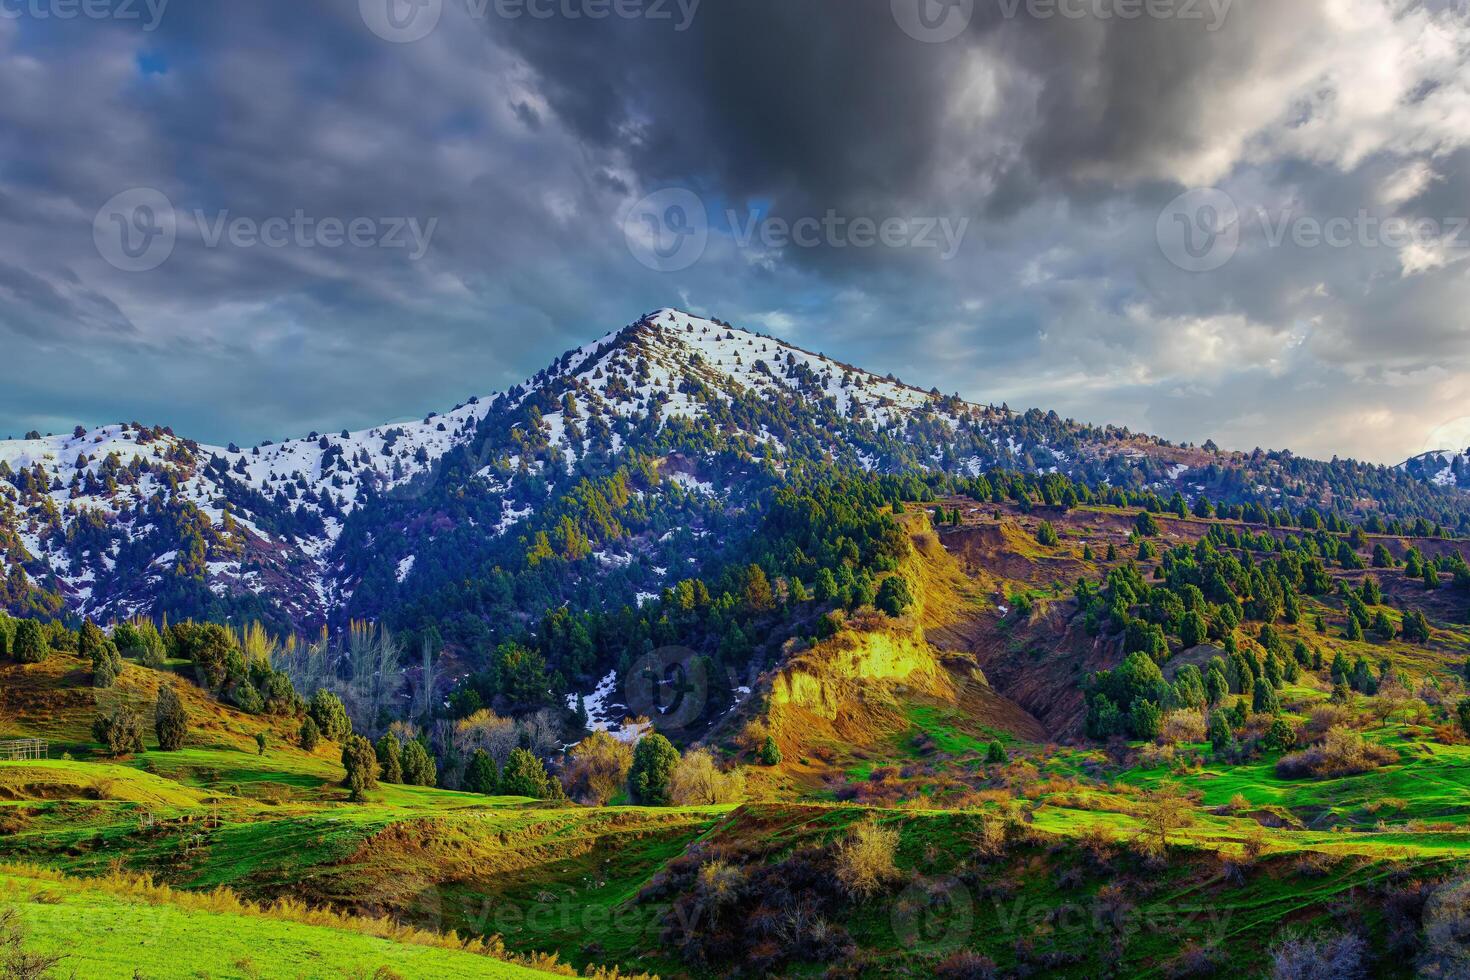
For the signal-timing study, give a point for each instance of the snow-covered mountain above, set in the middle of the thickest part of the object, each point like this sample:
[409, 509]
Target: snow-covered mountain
[625, 453]
[1441, 468]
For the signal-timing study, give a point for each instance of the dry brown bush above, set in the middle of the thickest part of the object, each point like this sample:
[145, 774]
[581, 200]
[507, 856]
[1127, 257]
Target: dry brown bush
[698, 781]
[1342, 753]
[1187, 725]
[865, 864]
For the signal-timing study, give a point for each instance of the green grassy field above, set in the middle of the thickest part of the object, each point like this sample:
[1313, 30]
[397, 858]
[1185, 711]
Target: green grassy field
[104, 931]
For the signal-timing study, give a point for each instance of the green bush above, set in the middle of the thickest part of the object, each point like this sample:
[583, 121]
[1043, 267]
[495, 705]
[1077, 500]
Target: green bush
[653, 762]
[390, 758]
[119, 730]
[330, 715]
[311, 734]
[361, 763]
[170, 720]
[31, 646]
[524, 775]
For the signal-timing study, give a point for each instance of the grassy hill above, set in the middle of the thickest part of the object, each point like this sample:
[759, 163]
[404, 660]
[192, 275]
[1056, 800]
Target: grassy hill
[1000, 840]
[130, 928]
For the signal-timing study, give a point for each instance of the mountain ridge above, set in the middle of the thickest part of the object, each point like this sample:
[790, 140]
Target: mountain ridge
[127, 519]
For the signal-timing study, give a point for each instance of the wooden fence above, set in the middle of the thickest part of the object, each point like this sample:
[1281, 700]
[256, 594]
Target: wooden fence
[21, 749]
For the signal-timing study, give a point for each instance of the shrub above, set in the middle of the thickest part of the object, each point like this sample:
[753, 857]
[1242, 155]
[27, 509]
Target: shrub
[141, 642]
[698, 781]
[30, 643]
[246, 697]
[1323, 718]
[170, 720]
[1047, 535]
[995, 753]
[1182, 726]
[1334, 957]
[418, 765]
[361, 763]
[894, 596]
[990, 838]
[1342, 753]
[310, 734]
[119, 730]
[965, 965]
[1164, 809]
[597, 769]
[390, 758]
[1446, 917]
[865, 864]
[1146, 718]
[481, 775]
[330, 715]
[1280, 736]
[524, 775]
[653, 763]
[15, 962]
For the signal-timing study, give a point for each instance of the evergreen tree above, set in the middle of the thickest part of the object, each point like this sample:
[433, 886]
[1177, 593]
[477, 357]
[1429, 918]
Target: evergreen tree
[418, 765]
[524, 775]
[390, 759]
[361, 764]
[119, 730]
[170, 720]
[770, 752]
[330, 715]
[30, 644]
[893, 596]
[480, 775]
[311, 734]
[1264, 700]
[654, 759]
[1146, 718]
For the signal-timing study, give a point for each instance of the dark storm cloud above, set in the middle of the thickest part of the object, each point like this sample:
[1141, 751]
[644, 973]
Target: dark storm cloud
[1058, 138]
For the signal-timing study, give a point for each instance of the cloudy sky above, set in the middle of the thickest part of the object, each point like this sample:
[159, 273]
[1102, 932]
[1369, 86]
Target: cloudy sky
[1201, 218]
